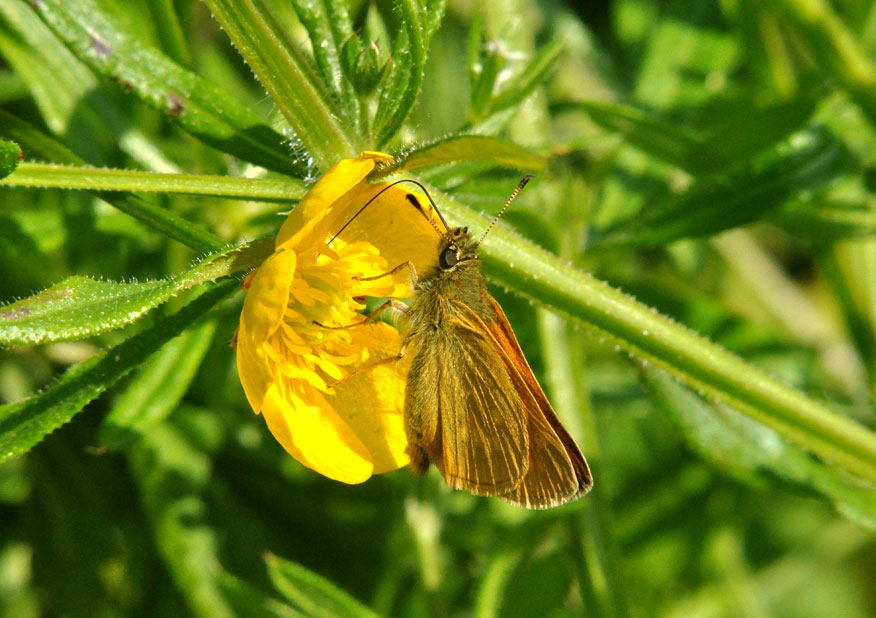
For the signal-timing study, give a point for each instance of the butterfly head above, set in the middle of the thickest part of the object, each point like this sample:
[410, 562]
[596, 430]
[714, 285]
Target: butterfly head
[457, 248]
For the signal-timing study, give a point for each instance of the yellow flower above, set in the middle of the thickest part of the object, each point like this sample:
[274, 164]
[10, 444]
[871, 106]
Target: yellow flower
[289, 361]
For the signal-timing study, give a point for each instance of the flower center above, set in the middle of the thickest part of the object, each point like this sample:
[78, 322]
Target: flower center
[327, 292]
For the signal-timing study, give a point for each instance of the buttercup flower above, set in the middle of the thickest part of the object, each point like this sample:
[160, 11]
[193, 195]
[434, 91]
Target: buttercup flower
[291, 365]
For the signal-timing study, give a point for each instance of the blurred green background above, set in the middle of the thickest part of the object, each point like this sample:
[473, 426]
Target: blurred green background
[714, 159]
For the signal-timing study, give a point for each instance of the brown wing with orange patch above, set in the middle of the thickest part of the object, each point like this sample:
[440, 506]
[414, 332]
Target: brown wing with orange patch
[557, 471]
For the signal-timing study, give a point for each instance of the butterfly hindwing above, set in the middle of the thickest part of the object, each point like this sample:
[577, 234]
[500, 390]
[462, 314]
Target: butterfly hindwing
[461, 389]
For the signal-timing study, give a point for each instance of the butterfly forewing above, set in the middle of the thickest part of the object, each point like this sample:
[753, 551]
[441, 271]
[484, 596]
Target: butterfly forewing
[552, 477]
[537, 403]
[481, 442]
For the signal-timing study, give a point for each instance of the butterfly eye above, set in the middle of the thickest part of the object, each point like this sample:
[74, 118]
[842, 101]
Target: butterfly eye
[448, 258]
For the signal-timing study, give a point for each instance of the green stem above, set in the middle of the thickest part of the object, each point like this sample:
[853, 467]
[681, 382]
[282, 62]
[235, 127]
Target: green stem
[36, 144]
[49, 175]
[590, 545]
[645, 334]
[288, 78]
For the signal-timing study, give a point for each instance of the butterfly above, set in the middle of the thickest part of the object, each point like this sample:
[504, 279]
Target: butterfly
[473, 407]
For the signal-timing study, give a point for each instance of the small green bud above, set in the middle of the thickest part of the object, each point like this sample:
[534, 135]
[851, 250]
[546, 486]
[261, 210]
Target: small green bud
[362, 65]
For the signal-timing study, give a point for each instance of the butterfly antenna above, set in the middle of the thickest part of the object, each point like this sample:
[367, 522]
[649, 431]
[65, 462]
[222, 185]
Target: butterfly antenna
[514, 194]
[411, 198]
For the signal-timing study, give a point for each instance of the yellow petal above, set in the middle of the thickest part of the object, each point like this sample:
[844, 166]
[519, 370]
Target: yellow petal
[317, 204]
[314, 434]
[267, 297]
[391, 223]
[372, 404]
[255, 373]
[263, 311]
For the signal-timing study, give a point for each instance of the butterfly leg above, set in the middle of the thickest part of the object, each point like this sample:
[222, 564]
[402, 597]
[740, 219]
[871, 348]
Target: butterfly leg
[392, 303]
[370, 366]
[409, 265]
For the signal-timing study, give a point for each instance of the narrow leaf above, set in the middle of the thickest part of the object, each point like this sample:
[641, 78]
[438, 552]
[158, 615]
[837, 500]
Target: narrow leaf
[752, 451]
[825, 220]
[56, 79]
[834, 47]
[80, 307]
[706, 151]
[328, 25]
[46, 175]
[314, 595]
[173, 476]
[525, 82]
[158, 389]
[660, 138]
[249, 602]
[10, 156]
[741, 196]
[411, 79]
[24, 424]
[463, 148]
[199, 106]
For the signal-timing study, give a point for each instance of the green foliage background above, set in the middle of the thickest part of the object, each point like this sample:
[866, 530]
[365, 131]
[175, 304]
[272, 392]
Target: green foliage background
[712, 159]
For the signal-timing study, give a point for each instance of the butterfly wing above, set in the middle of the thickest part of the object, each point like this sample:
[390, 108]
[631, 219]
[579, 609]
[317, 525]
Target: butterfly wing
[462, 410]
[557, 471]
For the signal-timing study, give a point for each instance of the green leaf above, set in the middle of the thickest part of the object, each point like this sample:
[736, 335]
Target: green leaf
[463, 148]
[198, 106]
[753, 452]
[328, 26]
[173, 476]
[522, 84]
[834, 47]
[100, 179]
[742, 196]
[667, 141]
[24, 424]
[169, 31]
[289, 79]
[406, 77]
[10, 156]
[822, 220]
[249, 602]
[80, 307]
[35, 143]
[314, 595]
[158, 389]
[735, 138]
[57, 81]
